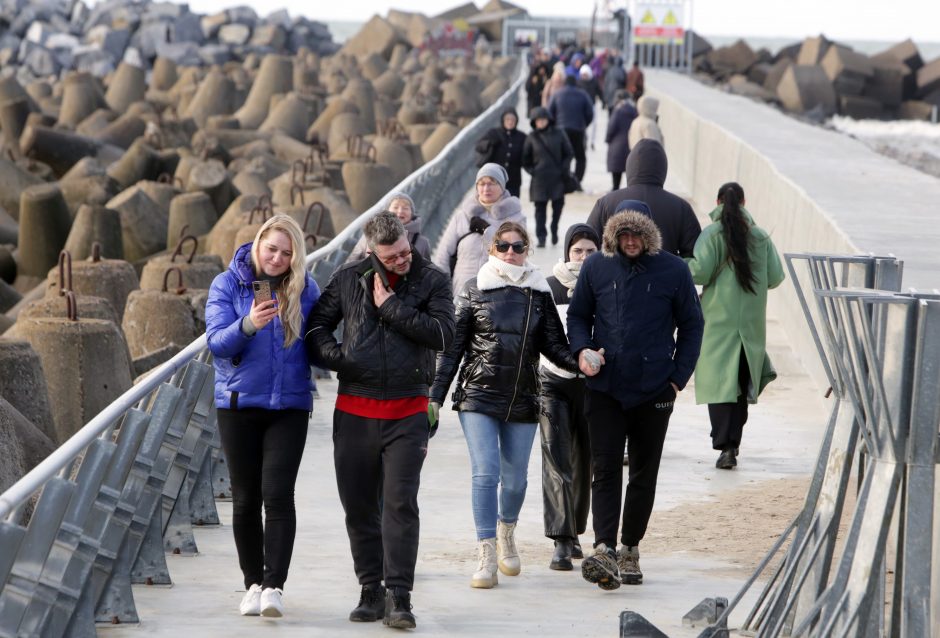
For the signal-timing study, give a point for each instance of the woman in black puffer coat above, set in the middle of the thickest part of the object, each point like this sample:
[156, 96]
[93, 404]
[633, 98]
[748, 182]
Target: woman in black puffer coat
[546, 156]
[505, 319]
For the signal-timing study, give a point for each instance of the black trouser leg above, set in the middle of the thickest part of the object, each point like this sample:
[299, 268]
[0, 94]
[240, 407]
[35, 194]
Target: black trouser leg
[566, 457]
[541, 209]
[646, 434]
[557, 206]
[608, 436]
[728, 419]
[378, 466]
[263, 449]
[616, 179]
[580, 159]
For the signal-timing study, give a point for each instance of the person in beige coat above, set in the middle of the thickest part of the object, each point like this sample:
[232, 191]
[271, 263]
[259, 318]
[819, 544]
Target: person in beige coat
[645, 126]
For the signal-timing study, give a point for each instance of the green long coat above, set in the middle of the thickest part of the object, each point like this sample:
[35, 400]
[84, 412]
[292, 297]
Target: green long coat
[733, 316]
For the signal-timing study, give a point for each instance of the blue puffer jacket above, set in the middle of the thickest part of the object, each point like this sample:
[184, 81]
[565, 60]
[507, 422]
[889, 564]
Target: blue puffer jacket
[256, 371]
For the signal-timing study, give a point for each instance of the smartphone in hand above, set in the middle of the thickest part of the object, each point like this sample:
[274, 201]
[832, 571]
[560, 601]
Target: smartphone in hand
[380, 270]
[262, 291]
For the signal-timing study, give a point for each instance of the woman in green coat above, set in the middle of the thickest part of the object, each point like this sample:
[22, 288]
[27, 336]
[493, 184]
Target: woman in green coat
[737, 263]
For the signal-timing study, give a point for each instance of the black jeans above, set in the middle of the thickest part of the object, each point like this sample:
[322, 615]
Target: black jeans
[580, 159]
[263, 450]
[616, 176]
[643, 429]
[566, 456]
[378, 471]
[728, 419]
[541, 210]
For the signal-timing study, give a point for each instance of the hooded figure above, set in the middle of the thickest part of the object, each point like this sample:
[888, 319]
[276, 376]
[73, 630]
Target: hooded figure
[628, 304]
[503, 145]
[566, 448]
[618, 129]
[546, 156]
[645, 126]
[646, 174]
[615, 79]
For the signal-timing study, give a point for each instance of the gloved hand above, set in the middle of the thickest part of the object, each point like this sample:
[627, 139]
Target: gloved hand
[434, 411]
[478, 225]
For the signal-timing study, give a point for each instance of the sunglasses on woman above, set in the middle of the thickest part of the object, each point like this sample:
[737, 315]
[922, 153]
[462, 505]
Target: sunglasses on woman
[518, 247]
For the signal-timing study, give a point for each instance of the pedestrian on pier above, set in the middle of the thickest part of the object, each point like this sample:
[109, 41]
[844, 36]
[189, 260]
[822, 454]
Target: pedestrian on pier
[546, 156]
[736, 262]
[263, 397]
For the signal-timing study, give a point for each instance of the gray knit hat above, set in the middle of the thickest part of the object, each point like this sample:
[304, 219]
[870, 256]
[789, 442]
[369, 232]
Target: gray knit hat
[401, 195]
[495, 171]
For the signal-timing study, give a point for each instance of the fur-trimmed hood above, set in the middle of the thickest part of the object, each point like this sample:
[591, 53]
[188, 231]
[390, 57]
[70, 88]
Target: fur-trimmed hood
[634, 221]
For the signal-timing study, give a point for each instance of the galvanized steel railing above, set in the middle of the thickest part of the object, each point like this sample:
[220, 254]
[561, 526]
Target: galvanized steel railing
[100, 512]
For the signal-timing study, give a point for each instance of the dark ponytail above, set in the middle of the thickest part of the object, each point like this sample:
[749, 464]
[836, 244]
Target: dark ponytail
[736, 230]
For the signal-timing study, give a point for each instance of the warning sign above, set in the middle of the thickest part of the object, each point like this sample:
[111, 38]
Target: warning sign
[661, 23]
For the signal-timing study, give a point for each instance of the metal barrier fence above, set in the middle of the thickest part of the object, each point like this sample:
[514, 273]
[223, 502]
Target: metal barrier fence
[881, 351]
[99, 514]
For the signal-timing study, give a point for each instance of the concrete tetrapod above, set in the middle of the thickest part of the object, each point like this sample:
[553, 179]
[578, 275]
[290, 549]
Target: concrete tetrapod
[85, 362]
[8, 266]
[44, 226]
[128, 85]
[292, 115]
[222, 236]
[111, 279]
[9, 229]
[94, 190]
[9, 296]
[155, 319]
[143, 224]
[211, 177]
[276, 75]
[215, 96]
[361, 93]
[61, 150]
[30, 443]
[23, 384]
[13, 115]
[367, 182]
[13, 181]
[140, 162]
[95, 224]
[198, 271]
[193, 211]
[81, 96]
[320, 129]
[441, 137]
[14, 466]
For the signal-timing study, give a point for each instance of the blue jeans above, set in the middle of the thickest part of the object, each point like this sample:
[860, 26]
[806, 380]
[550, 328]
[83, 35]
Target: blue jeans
[499, 457]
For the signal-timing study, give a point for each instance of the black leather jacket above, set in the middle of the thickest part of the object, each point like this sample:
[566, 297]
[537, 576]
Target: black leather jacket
[387, 352]
[499, 336]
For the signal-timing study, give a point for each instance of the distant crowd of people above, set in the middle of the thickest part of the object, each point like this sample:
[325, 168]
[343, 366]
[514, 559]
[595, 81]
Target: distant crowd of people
[591, 357]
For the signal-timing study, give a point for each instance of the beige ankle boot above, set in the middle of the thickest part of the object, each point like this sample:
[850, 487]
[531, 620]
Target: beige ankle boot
[485, 575]
[508, 557]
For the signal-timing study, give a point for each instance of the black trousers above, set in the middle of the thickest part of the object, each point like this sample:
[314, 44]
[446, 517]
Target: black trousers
[566, 456]
[616, 179]
[541, 212]
[580, 159]
[643, 429]
[378, 471]
[728, 419]
[263, 449]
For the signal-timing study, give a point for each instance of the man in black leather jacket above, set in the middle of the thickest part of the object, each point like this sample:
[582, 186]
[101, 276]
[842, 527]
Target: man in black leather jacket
[398, 312]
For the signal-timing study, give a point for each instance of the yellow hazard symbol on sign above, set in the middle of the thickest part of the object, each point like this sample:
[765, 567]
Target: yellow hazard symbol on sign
[649, 18]
[670, 19]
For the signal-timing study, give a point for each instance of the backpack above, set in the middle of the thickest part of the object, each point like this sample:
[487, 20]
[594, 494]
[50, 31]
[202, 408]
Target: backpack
[478, 226]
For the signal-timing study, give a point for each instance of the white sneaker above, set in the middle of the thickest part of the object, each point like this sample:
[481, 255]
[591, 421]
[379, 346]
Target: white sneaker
[506, 552]
[251, 602]
[272, 606]
[485, 575]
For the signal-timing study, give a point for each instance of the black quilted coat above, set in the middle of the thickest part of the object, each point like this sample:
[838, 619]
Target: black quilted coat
[387, 352]
[499, 336]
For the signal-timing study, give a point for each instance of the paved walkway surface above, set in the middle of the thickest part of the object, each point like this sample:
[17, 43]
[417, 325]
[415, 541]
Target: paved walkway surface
[780, 442]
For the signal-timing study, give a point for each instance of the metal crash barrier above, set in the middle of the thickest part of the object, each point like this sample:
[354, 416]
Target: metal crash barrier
[100, 513]
[881, 351]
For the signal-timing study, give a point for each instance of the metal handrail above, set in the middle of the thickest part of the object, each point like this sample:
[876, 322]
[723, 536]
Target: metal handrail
[20, 492]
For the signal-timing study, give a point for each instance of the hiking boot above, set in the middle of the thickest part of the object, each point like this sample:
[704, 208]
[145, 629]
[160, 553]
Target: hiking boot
[726, 460]
[628, 561]
[398, 609]
[251, 602]
[371, 605]
[272, 603]
[561, 559]
[485, 575]
[506, 554]
[576, 551]
[601, 568]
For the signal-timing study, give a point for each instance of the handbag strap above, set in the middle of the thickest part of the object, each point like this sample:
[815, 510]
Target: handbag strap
[538, 139]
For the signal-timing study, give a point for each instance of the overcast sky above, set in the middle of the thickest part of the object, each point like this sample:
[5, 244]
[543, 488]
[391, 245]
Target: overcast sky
[841, 19]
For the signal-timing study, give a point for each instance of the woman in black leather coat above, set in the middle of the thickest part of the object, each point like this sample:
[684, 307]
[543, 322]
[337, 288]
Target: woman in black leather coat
[505, 319]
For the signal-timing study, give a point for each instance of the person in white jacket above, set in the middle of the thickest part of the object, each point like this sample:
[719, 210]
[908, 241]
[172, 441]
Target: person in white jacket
[464, 246]
[646, 125]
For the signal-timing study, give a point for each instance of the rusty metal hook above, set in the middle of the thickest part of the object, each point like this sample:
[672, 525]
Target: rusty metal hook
[251, 215]
[293, 171]
[65, 259]
[263, 200]
[182, 232]
[71, 306]
[372, 154]
[179, 274]
[323, 211]
[309, 237]
[294, 189]
[95, 252]
[179, 248]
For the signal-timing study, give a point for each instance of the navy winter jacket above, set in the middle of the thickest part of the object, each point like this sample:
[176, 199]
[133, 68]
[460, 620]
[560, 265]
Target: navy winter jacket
[256, 371]
[571, 108]
[631, 309]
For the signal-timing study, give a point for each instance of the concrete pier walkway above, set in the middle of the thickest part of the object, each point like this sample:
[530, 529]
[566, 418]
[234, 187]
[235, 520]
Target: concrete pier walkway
[694, 502]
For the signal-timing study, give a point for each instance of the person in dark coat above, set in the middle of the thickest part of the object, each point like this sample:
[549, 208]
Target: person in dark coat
[646, 174]
[538, 76]
[566, 445]
[395, 320]
[503, 145]
[636, 324]
[505, 320]
[618, 128]
[546, 156]
[573, 110]
[615, 79]
[635, 81]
